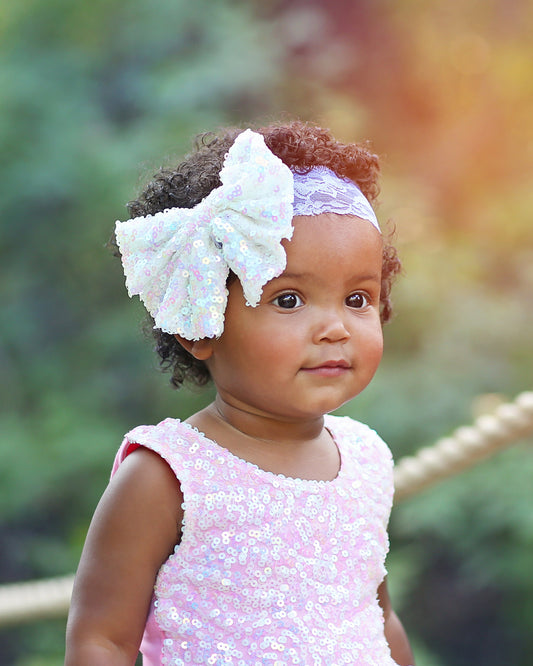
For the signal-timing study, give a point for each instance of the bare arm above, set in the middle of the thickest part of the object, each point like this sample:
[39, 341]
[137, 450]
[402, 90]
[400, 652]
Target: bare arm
[394, 631]
[134, 529]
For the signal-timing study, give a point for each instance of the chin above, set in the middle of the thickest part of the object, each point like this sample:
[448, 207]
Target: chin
[326, 407]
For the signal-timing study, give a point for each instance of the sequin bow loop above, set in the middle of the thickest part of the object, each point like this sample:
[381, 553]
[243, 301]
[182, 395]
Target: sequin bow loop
[178, 260]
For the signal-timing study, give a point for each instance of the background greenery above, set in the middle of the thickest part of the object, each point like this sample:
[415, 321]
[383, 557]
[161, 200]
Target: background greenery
[95, 96]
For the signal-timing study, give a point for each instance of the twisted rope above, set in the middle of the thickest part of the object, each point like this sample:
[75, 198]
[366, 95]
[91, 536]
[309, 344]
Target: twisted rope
[465, 447]
[35, 600]
[22, 602]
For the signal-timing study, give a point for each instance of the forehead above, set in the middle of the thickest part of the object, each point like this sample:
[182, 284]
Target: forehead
[335, 239]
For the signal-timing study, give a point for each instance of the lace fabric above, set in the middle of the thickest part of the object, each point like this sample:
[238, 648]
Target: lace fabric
[322, 191]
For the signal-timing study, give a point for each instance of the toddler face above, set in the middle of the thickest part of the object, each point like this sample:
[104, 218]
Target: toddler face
[315, 340]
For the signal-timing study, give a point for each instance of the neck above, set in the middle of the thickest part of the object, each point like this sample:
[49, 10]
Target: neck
[262, 427]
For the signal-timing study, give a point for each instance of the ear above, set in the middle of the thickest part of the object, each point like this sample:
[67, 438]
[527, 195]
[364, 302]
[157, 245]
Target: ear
[200, 349]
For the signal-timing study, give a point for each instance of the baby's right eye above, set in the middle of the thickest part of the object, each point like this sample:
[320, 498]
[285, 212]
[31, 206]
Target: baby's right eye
[288, 301]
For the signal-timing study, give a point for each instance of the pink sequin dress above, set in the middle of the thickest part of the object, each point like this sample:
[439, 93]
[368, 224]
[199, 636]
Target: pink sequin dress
[271, 569]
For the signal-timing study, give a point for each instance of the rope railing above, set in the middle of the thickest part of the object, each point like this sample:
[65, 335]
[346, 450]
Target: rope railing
[38, 600]
[35, 600]
[466, 446]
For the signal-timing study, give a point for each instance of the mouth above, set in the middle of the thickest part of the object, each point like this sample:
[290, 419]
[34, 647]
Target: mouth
[329, 368]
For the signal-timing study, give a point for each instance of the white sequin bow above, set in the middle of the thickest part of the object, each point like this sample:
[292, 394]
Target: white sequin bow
[178, 260]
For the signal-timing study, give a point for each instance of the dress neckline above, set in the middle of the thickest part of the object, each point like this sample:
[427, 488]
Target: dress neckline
[276, 478]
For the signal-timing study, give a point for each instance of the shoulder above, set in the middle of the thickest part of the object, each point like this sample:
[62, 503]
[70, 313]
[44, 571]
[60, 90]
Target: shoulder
[345, 426]
[351, 433]
[148, 474]
[161, 438]
[143, 459]
[144, 484]
[175, 441]
[366, 457]
[163, 431]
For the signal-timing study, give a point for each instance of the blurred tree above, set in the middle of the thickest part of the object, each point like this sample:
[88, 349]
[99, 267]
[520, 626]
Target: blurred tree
[90, 92]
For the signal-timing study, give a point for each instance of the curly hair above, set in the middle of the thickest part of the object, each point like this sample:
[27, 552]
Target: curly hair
[300, 146]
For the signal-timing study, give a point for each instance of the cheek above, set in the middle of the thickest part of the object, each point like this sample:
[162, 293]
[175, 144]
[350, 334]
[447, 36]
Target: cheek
[378, 353]
[374, 345]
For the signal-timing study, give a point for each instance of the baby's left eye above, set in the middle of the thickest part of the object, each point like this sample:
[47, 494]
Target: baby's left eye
[357, 300]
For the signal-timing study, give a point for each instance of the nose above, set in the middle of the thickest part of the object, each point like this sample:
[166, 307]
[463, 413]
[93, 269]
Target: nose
[331, 326]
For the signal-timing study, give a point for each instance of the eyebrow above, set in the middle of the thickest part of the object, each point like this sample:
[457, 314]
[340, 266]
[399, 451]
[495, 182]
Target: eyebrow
[293, 276]
[367, 277]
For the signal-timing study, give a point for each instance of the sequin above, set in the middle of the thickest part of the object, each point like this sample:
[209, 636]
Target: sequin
[271, 569]
[178, 260]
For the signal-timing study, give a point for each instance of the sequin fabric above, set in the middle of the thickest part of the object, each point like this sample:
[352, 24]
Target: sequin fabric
[271, 569]
[320, 190]
[178, 260]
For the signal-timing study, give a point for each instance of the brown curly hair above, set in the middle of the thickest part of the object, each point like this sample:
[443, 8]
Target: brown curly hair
[300, 146]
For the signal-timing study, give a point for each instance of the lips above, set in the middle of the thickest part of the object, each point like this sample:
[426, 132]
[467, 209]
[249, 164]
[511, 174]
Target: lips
[331, 368]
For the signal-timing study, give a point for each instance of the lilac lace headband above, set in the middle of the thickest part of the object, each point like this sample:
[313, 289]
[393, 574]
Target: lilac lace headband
[322, 191]
[178, 260]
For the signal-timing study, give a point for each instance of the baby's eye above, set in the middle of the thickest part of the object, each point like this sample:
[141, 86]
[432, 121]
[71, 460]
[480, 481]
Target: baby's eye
[288, 301]
[357, 300]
